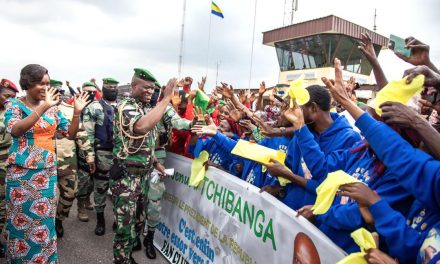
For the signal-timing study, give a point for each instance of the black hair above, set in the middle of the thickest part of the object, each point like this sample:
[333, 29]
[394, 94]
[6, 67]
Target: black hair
[183, 95]
[31, 75]
[319, 95]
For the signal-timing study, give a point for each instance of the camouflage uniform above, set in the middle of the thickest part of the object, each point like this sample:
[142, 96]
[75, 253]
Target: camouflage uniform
[133, 162]
[67, 164]
[154, 191]
[94, 115]
[5, 142]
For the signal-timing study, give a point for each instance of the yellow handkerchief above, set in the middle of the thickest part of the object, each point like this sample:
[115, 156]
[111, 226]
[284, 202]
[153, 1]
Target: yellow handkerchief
[326, 191]
[398, 91]
[258, 153]
[365, 241]
[198, 171]
[298, 92]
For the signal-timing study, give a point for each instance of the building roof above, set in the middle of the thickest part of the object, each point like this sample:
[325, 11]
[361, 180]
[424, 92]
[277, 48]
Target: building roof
[329, 24]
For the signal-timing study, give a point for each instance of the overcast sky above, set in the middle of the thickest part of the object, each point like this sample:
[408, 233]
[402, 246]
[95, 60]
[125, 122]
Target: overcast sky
[79, 39]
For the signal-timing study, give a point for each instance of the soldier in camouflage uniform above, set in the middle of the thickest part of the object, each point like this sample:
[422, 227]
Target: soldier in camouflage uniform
[98, 122]
[86, 167]
[67, 161]
[7, 90]
[153, 191]
[135, 141]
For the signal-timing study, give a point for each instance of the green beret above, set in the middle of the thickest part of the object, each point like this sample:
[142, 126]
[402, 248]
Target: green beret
[145, 75]
[88, 84]
[55, 83]
[109, 81]
[157, 84]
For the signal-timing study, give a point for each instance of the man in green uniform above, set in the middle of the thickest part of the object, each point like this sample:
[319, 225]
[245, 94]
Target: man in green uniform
[86, 167]
[7, 90]
[98, 122]
[67, 160]
[135, 140]
[154, 188]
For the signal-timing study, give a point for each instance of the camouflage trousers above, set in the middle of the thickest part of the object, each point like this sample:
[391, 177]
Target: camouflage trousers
[104, 161]
[152, 207]
[2, 195]
[67, 185]
[127, 195]
[85, 185]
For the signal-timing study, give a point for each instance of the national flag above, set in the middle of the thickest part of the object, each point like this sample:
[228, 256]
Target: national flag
[216, 10]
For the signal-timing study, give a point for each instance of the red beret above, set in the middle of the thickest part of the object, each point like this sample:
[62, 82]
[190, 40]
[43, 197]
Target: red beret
[8, 84]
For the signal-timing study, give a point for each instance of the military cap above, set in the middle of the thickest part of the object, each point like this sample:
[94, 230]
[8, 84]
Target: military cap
[109, 81]
[4, 83]
[55, 83]
[88, 84]
[145, 75]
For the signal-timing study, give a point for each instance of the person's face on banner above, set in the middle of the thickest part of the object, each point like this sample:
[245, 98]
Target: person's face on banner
[304, 250]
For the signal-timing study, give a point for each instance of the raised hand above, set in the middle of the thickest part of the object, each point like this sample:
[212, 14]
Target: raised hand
[399, 114]
[337, 87]
[202, 84]
[80, 101]
[419, 52]
[247, 124]
[210, 130]
[262, 88]
[226, 90]
[168, 92]
[52, 97]
[295, 116]
[176, 99]
[431, 77]
[360, 192]
[198, 114]
[366, 47]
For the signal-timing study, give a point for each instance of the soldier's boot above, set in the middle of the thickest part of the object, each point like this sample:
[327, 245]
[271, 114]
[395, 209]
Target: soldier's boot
[132, 261]
[59, 228]
[150, 251]
[82, 213]
[100, 224]
[114, 227]
[88, 204]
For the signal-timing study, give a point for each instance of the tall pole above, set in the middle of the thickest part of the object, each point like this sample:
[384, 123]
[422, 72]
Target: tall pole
[209, 45]
[182, 32]
[252, 49]
[374, 27]
[216, 75]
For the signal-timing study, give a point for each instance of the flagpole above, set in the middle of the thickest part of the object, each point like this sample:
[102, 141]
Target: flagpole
[182, 32]
[252, 48]
[209, 44]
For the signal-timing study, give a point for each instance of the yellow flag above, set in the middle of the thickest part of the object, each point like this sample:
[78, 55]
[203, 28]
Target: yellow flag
[326, 191]
[198, 171]
[365, 241]
[398, 91]
[258, 153]
[298, 92]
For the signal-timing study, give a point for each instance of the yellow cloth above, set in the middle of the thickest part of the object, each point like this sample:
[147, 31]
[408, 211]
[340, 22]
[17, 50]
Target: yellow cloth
[326, 191]
[365, 241]
[198, 171]
[257, 152]
[298, 92]
[399, 91]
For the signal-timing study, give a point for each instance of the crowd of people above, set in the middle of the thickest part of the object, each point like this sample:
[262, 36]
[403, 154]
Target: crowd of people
[59, 145]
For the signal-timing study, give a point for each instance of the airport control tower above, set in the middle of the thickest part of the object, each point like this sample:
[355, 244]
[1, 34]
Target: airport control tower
[308, 49]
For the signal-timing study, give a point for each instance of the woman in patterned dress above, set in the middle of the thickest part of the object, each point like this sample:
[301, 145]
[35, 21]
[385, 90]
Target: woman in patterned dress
[31, 180]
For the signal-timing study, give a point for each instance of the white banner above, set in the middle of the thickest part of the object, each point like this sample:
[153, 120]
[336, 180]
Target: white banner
[227, 220]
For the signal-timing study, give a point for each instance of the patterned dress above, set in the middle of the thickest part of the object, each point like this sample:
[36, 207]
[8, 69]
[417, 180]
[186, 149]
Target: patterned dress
[31, 187]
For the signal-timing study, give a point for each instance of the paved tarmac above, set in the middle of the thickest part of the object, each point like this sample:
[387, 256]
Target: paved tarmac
[81, 245]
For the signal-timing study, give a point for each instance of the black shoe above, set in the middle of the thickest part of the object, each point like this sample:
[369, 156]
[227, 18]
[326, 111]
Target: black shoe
[2, 251]
[150, 251]
[59, 228]
[137, 245]
[132, 261]
[114, 227]
[100, 224]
